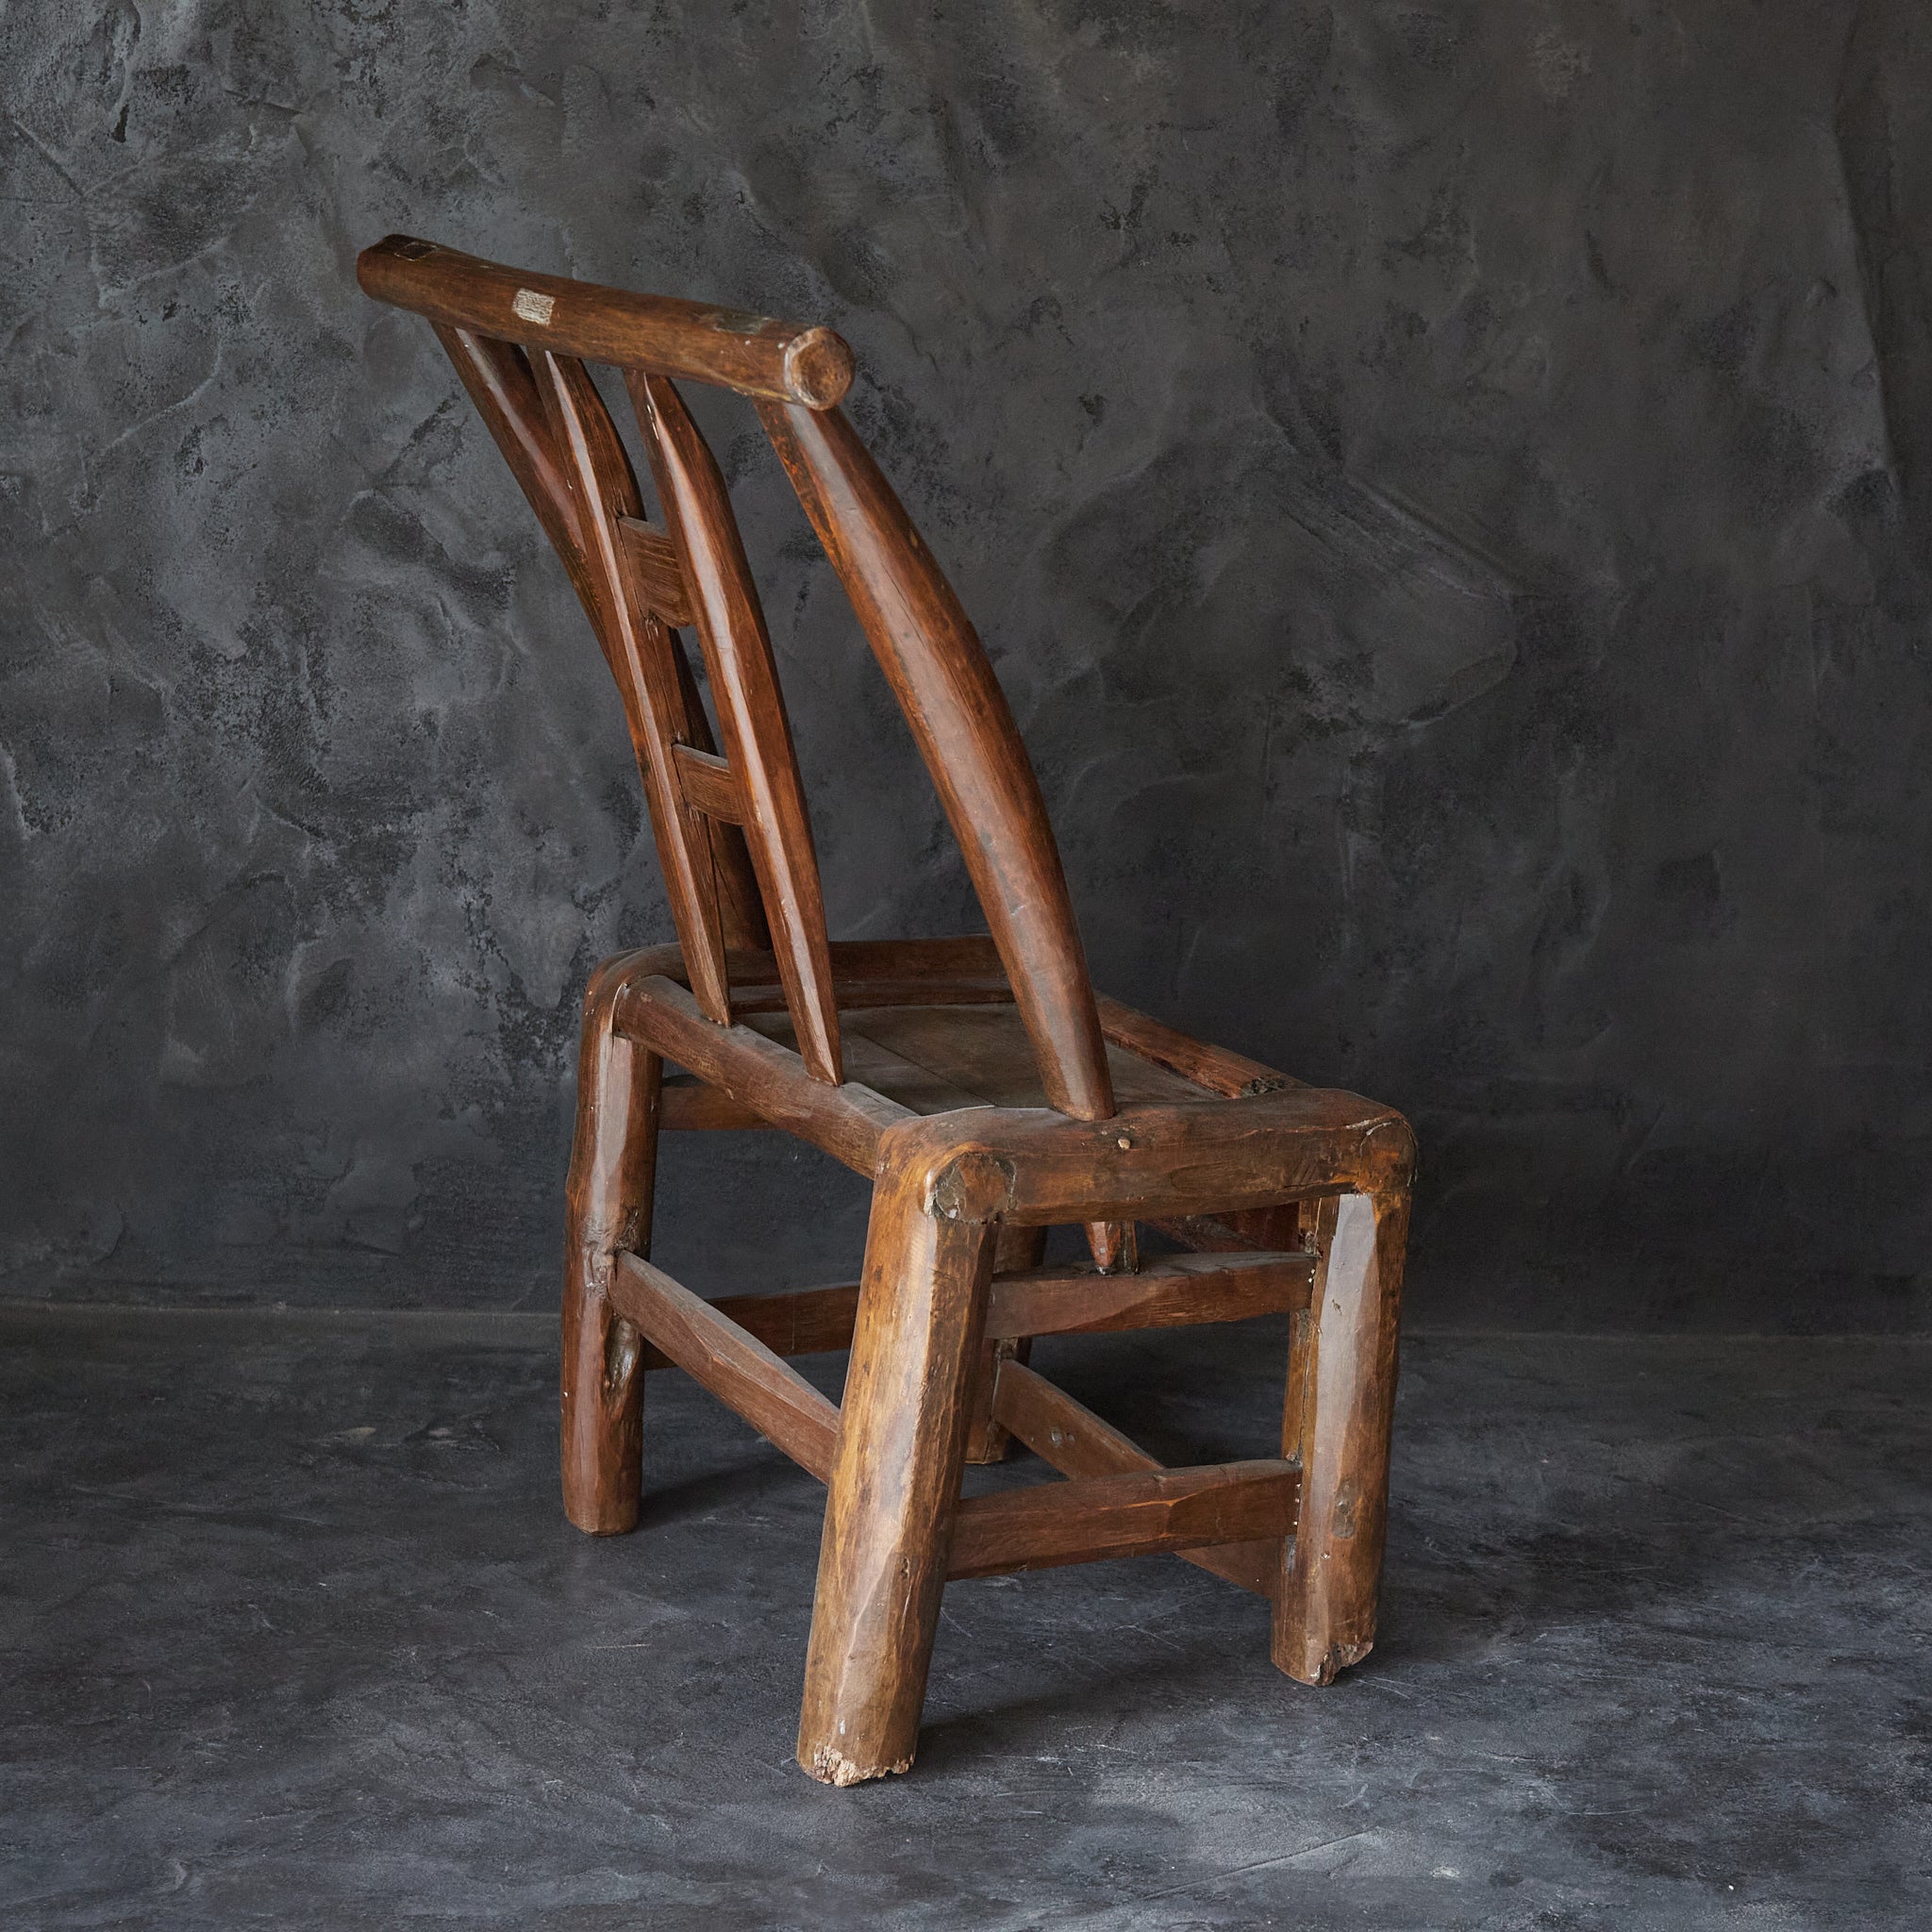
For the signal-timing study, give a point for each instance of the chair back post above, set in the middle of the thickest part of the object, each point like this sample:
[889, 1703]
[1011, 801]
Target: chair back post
[964, 726]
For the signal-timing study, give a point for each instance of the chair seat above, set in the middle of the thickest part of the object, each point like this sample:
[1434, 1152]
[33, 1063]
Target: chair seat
[937, 1058]
[927, 1027]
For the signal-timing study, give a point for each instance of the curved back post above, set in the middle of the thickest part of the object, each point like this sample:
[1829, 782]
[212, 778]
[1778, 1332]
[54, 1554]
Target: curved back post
[964, 729]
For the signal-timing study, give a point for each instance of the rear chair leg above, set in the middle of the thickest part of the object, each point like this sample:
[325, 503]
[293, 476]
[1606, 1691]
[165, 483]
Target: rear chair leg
[987, 1440]
[1341, 1394]
[612, 1172]
[882, 1565]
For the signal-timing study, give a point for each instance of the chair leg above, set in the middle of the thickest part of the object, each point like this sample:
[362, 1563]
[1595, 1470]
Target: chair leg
[1341, 1394]
[987, 1440]
[613, 1174]
[882, 1564]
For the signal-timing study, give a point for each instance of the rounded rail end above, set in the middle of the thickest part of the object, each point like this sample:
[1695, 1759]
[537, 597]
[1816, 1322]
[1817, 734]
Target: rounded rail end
[376, 266]
[818, 368]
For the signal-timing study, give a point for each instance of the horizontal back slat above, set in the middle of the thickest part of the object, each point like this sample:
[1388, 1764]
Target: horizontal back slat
[656, 574]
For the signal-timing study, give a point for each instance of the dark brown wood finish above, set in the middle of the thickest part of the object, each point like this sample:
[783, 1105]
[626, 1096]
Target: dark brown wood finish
[805, 1320]
[607, 1212]
[964, 729]
[1137, 1515]
[978, 1084]
[734, 1366]
[1070, 1438]
[755, 354]
[657, 578]
[1016, 1251]
[1213, 1068]
[639, 652]
[769, 799]
[882, 1561]
[1341, 1405]
[1176, 1292]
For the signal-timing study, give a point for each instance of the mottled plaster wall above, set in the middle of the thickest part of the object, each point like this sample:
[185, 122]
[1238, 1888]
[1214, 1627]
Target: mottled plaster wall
[1444, 485]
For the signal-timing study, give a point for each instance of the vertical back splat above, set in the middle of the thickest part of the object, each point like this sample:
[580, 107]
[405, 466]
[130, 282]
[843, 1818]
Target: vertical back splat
[751, 711]
[639, 653]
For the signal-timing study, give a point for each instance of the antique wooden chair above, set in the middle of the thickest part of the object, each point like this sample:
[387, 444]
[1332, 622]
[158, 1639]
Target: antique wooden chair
[979, 1082]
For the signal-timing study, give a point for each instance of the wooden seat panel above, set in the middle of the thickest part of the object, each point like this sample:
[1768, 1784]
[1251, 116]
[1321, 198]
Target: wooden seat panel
[938, 1058]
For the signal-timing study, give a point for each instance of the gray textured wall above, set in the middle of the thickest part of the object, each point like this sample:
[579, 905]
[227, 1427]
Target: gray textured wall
[1444, 485]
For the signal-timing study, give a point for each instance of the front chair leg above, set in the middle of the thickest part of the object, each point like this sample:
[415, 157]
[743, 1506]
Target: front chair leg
[612, 1172]
[882, 1564]
[1341, 1398]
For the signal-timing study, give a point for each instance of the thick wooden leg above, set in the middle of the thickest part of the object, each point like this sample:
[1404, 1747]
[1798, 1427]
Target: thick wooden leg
[882, 1565]
[613, 1169]
[987, 1440]
[1341, 1394]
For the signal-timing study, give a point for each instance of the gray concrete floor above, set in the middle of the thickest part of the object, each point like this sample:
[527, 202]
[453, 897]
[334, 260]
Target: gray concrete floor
[296, 1635]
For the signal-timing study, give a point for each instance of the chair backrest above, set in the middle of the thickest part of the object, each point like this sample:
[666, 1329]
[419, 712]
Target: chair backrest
[731, 827]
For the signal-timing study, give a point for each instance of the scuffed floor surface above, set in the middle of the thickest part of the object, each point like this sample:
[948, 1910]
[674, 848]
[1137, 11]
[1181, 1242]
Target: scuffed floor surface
[295, 1636]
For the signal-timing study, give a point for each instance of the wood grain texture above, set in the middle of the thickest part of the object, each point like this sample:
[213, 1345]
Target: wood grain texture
[755, 354]
[607, 1207]
[1069, 1437]
[1336, 1424]
[656, 576]
[740, 909]
[982, 1047]
[805, 1320]
[1016, 1250]
[882, 1561]
[639, 652]
[691, 1107]
[1150, 1162]
[893, 1076]
[1230, 1074]
[1176, 1291]
[845, 1120]
[734, 1366]
[752, 720]
[964, 729]
[978, 1082]
[710, 786]
[1130, 1515]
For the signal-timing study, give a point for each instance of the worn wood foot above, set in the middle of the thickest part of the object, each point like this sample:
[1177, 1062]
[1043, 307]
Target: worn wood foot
[1341, 1394]
[882, 1565]
[612, 1173]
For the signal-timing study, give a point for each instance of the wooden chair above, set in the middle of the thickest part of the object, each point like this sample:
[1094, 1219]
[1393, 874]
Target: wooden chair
[979, 1082]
